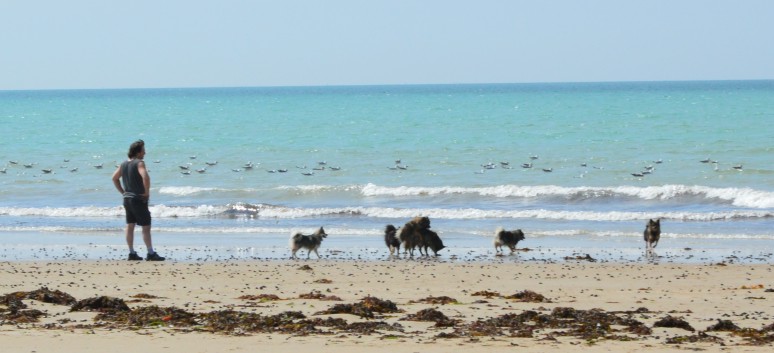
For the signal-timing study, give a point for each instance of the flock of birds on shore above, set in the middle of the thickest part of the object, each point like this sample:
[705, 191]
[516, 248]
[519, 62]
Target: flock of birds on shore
[188, 168]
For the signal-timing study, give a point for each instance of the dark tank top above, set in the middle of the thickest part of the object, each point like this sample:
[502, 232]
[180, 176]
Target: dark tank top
[130, 176]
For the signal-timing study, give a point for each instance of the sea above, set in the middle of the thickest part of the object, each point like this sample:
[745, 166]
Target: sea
[580, 168]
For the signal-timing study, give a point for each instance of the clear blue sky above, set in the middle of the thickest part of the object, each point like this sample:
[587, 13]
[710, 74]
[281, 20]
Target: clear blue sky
[59, 44]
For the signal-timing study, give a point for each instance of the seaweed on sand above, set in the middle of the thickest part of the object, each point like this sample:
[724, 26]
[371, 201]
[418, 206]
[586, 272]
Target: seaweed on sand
[674, 322]
[43, 295]
[442, 300]
[101, 303]
[366, 308]
[149, 316]
[529, 297]
[431, 315]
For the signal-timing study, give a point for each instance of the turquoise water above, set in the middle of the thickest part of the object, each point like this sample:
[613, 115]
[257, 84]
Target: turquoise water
[461, 149]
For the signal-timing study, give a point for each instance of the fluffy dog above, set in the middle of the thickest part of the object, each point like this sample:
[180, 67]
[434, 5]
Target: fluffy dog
[391, 239]
[432, 240]
[652, 234]
[411, 234]
[509, 238]
[308, 242]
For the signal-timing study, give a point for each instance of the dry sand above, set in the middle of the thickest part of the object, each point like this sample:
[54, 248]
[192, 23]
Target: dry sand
[209, 316]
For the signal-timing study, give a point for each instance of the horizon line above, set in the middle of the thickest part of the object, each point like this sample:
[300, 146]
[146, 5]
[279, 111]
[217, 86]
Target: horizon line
[382, 85]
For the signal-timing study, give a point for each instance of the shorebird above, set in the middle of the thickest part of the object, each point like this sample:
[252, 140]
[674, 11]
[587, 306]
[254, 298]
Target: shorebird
[46, 171]
[186, 172]
[248, 165]
[98, 166]
[737, 167]
[526, 165]
[639, 175]
[548, 170]
[307, 173]
[335, 168]
[533, 157]
[211, 163]
[201, 171]
[185, 167]
[74, 170]
[282, 170]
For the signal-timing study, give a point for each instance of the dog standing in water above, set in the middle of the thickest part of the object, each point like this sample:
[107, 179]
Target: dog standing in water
[509, 238]
[308, 242]
[652, 234]
[391, 239]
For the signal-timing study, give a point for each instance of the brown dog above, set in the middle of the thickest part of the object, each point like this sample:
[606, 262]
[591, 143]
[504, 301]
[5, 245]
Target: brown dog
[412, 235]
[652, 234]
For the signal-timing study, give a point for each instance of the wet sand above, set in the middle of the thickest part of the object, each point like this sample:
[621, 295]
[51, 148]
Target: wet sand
[405, 305]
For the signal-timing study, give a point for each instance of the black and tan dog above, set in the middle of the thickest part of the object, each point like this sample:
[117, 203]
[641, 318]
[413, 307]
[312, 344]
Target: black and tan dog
[411, 234]
[308, 242]
[509, 238]
[652, 234]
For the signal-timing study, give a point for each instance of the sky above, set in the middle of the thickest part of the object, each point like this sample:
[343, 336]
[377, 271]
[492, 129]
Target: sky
[95, 44]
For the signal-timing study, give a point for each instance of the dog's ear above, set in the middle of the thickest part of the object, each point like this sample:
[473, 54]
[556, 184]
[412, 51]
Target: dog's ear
[658, 221]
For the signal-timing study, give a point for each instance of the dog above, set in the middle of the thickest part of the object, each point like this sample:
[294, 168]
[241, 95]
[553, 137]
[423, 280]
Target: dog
[391, 239]
[411, 235]
[652, 234]
[508, 238]
[432, 240]
[308, 242]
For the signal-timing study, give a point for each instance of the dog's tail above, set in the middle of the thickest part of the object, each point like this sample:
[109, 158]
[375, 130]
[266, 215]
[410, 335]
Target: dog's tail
[498, 231]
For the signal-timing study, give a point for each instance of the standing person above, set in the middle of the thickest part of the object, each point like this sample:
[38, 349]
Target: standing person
[136, 192]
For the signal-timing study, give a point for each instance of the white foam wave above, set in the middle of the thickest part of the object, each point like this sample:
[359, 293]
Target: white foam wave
[740, 197]
[118, 211]
[280, 212]
[184, 190]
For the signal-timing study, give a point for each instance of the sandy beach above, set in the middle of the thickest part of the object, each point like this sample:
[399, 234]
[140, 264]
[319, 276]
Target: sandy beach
[426, 305]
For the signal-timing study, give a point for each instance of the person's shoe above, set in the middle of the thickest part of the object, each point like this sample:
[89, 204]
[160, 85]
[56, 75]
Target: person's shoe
[134, 257]
[154, 257]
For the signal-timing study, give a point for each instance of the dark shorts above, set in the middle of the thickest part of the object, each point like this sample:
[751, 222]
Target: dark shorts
[137, 212]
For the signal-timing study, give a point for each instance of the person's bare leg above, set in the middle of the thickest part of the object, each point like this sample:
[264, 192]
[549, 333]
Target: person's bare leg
[130, 236]
[146, 237]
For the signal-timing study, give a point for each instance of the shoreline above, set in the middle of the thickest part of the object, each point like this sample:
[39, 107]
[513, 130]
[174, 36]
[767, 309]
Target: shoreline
[694, 294]
[187, 248]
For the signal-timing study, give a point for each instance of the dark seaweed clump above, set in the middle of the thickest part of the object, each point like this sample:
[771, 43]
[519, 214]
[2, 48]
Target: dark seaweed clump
[260, 297]
[529, 297]
[366, 308]
[431, 315]
[674, 322]
[101, 303]
[317, 295]
[585, 324]
[43, 295]
[148, 316]
[442, 300]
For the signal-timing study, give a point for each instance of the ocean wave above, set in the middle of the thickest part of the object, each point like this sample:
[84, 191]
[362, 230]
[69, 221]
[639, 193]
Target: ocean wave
[740, 197]
[281, 212]
[695, 194]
